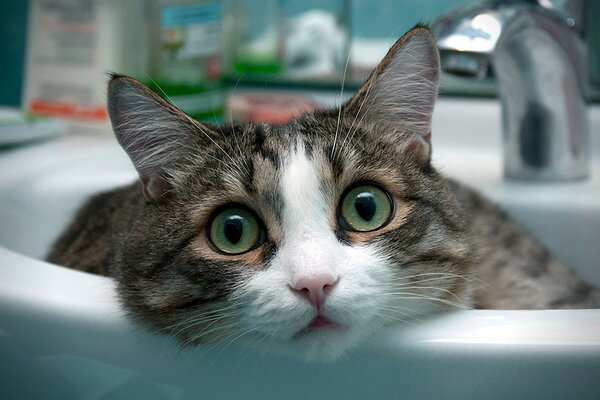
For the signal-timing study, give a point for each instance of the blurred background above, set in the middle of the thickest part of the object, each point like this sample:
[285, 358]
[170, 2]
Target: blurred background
[56, 54]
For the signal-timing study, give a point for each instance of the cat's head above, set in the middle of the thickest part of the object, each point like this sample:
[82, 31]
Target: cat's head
[304, 237]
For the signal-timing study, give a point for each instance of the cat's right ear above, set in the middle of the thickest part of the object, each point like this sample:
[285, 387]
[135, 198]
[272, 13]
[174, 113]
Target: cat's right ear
[156, 135]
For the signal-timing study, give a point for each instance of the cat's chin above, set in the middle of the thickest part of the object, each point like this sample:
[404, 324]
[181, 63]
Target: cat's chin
[316, 345]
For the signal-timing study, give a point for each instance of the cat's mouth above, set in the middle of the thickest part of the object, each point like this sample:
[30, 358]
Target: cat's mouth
[320, 323]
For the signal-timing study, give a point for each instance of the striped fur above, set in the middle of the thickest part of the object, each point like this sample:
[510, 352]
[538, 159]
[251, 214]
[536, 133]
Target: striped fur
[444, 248]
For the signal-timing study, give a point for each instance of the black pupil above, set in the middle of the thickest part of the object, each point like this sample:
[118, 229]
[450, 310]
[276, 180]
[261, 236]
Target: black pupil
[365, 206]
[233, 229]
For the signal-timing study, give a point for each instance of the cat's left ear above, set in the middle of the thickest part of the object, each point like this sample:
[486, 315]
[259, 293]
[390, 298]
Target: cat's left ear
[403, 89]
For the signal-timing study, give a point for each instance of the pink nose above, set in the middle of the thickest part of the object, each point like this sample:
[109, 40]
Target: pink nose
[315, 287]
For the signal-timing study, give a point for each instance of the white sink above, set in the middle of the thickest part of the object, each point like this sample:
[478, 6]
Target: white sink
[63, 334]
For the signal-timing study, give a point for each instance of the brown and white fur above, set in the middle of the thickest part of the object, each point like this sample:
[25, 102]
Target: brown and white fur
[444, 247]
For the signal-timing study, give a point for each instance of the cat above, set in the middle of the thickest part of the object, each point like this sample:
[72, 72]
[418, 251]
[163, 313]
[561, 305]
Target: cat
[310, 235]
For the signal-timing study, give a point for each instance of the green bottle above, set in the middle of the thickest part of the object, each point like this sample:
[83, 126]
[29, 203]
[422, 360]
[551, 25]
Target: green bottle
[184, 54]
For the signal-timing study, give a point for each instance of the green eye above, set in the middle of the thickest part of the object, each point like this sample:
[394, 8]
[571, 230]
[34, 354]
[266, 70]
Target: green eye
[366, 208]
[235, 231]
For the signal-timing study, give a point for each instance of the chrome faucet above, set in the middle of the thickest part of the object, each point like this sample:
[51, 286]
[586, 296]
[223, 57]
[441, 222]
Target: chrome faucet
[535, 51]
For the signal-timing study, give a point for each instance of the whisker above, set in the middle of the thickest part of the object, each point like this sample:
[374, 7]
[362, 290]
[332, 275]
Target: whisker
[162, 91]
[337, 128]
[397, 311]
[413, 296]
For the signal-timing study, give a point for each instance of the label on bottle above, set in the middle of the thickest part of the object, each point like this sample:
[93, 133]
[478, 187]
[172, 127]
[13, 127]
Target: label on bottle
[68, 54]
[191, 42]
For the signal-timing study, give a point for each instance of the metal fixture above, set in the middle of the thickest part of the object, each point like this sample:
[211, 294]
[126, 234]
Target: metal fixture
[535, 51]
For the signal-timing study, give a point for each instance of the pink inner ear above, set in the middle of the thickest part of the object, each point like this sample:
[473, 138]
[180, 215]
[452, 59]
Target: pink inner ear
[427, 138]
[156, 188]
[419, 147]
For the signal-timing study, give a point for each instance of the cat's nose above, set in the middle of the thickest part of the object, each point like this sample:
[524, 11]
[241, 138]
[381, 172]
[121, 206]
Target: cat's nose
[315, 287]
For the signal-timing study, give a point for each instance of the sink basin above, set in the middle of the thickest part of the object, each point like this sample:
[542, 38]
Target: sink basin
[63, 334]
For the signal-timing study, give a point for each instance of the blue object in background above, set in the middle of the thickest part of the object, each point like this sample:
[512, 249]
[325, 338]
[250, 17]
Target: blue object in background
[389, 19]
[13, 32]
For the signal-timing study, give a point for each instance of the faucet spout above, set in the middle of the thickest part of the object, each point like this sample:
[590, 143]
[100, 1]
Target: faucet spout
[538, 61]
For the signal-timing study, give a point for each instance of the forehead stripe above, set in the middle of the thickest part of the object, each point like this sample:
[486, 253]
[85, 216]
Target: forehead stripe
[304, 204]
